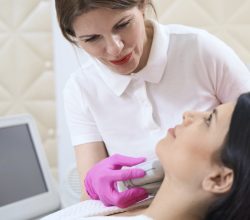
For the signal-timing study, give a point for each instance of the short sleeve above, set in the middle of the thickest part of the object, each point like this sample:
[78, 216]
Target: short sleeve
[81, 124]
[229, 75]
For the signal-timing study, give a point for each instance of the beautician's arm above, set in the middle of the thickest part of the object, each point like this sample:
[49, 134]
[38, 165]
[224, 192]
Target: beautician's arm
[88, 155]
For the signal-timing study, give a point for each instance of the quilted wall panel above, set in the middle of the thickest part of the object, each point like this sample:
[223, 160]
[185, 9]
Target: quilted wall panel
[26, 67]
[227, 19]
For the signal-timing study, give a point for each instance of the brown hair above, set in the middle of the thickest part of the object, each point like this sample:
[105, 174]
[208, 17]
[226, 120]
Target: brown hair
[68, 10]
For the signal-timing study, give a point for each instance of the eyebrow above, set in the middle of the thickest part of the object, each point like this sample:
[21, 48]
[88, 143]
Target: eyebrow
[92, 35]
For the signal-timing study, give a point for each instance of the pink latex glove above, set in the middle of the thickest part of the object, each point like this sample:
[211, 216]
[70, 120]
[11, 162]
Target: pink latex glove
[100, 181]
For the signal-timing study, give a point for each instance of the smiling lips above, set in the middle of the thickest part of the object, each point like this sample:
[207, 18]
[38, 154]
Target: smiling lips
[123, 60]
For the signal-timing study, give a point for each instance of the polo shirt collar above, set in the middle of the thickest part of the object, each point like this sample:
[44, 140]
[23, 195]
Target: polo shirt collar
[116, 82]
[152, 72]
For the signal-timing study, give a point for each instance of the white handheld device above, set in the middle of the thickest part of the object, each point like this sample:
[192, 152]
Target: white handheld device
[151, 181]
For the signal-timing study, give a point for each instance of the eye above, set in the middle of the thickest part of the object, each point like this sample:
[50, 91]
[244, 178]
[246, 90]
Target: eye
[122, 25]
[92, 39]
[208, 119]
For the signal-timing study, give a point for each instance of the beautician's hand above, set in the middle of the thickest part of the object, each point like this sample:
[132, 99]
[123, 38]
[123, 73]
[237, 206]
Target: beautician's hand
[100, 181]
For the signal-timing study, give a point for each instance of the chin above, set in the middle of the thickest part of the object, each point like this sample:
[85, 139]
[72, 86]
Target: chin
[123, 70]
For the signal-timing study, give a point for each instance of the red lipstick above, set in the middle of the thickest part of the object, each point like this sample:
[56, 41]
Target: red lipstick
[123, 60]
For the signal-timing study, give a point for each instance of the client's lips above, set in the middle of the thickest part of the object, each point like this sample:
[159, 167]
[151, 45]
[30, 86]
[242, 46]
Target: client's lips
[123, 60]
[172, 131]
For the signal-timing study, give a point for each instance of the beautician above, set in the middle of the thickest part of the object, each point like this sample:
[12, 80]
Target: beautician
[141, 77]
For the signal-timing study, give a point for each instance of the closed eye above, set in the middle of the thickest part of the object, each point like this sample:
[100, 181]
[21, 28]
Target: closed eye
[122, 25]
[93, 38]
[208, 119]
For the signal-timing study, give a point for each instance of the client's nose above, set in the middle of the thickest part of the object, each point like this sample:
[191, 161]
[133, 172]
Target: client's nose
[187, 118]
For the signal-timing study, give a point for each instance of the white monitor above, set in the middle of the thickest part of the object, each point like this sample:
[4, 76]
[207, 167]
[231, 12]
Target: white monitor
[27, 189]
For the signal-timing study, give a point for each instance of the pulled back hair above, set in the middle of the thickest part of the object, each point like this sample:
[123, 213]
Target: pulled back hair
[235, 155]
[68, 10]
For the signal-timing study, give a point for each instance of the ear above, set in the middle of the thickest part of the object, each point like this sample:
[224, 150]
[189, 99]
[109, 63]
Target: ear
[219, 181]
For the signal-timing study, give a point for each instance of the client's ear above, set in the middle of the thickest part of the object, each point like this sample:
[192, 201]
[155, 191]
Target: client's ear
[219, 181]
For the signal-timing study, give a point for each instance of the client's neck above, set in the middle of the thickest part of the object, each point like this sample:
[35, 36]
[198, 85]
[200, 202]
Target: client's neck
[174, 203]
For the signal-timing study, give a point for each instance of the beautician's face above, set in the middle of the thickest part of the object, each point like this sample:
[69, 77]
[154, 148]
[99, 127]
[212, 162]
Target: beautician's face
[114, 37]
[186, 152]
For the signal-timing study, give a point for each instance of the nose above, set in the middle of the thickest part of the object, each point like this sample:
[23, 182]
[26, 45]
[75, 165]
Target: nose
[114, 45]
[188, 118]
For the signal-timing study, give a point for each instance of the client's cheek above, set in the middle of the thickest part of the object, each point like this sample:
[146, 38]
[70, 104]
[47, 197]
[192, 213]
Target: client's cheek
[202, 152]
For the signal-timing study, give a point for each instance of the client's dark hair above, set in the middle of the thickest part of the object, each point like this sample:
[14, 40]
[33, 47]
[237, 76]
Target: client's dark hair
[235, 154]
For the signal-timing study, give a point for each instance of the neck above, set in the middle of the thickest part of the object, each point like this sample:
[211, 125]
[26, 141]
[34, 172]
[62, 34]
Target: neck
[173, 203]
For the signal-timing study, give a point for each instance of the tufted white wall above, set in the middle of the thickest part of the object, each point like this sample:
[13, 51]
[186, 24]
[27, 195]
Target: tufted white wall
[26, 66]
[228, 19]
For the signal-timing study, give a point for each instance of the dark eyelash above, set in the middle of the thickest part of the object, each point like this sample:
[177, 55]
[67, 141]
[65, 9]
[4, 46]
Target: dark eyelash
[208, 119]
[91, 39]
[122, 25]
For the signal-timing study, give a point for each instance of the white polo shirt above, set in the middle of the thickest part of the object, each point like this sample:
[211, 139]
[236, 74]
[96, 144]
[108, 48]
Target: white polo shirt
[187, 69]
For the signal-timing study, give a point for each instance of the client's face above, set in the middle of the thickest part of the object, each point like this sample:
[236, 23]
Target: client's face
[188, 150]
